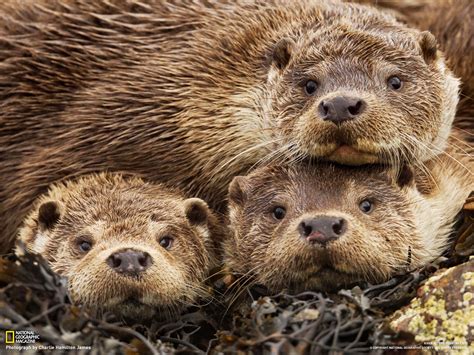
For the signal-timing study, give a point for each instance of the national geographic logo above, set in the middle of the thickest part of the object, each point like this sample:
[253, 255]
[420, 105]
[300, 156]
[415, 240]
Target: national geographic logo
[20, 337]
[10, 337]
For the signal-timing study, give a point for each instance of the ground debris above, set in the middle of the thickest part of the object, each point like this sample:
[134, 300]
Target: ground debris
[33, 298]
[350, 321]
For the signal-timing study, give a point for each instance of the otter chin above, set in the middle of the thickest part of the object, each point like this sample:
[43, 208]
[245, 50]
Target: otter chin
[132, 308]
[328, 279]
[348, 155]
[135, 249]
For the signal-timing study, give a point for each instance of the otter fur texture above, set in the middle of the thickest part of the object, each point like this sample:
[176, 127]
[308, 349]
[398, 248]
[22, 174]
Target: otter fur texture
[195, 93]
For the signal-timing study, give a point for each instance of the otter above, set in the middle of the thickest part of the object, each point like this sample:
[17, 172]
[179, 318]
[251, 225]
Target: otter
[195, 93]
[322, 227]
[135, 249]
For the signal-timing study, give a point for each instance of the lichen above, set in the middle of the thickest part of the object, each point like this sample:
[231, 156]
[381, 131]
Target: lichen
[469, 277]
[442, 316]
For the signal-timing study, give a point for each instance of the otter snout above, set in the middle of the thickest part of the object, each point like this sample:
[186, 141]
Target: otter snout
[130, 262]
[322, 229]
[341, 108]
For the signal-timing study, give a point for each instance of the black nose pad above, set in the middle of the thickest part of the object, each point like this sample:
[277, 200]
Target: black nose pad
[341, 108]
[130, 262]
[322, 229]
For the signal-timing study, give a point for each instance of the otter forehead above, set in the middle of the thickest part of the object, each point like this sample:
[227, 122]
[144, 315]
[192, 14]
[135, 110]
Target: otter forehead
[336, 41]
[320, 187]
[118, 205]
[357, 52]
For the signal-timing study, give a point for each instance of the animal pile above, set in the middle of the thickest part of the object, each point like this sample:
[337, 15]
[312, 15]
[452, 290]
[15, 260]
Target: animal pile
[155, 153]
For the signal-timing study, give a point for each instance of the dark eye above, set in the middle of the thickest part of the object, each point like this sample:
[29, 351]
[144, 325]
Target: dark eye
[366, 206]
[310, 87]
[84, 245]
[279, 212]
[166, 242]
[394, 83]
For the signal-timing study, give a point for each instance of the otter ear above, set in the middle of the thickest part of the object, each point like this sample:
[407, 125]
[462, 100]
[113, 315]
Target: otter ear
[282, 53]
[48, 215]
[405, 176]
[196, 210]
[429, 46]
[238, 190]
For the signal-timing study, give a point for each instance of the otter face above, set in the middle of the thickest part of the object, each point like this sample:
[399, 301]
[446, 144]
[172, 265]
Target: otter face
[357, 95]
[136, 251]
[322, 227]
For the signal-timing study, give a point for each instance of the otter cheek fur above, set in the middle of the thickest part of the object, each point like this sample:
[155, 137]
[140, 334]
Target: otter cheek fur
[195, 93]
[135, 249]
[293, 230]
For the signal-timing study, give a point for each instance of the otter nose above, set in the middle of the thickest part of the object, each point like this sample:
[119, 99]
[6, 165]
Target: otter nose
[322, 229]
[341, 108]
[130, 262]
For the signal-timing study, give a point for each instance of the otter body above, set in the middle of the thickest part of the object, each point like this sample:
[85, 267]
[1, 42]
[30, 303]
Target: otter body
[195, 93]
[324, 227]
[136, 249]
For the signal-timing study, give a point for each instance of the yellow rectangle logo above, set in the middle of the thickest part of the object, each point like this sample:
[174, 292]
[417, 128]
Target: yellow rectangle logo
[10, 337]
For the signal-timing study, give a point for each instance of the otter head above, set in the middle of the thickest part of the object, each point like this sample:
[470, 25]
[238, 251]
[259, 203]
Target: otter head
[133, 249]
[357, 87]
[323, 227]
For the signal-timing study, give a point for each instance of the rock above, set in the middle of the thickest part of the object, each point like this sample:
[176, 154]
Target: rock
[442, 314]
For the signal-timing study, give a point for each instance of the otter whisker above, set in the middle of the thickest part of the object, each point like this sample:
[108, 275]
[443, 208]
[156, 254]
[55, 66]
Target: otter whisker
[240, 277]
[420, 164]
[247, 282]
[453, 158]
[409, 258]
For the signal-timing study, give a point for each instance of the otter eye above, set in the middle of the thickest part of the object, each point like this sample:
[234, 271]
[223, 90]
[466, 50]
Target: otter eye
[84, 245]
[310, 87]
[166, 242]
[279, 213]
[394, 83]
[366, 206]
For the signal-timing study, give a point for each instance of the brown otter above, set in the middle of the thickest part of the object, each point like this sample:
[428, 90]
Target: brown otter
[125, 246]
[319, 227]
[194, 93]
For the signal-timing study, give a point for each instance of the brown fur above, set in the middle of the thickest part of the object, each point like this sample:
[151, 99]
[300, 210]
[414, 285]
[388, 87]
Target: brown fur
[452, 23]
[116, 213]
[406, 229]
[190, 92]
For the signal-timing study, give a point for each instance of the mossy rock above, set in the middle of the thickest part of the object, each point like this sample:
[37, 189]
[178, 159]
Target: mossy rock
[442, 314]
